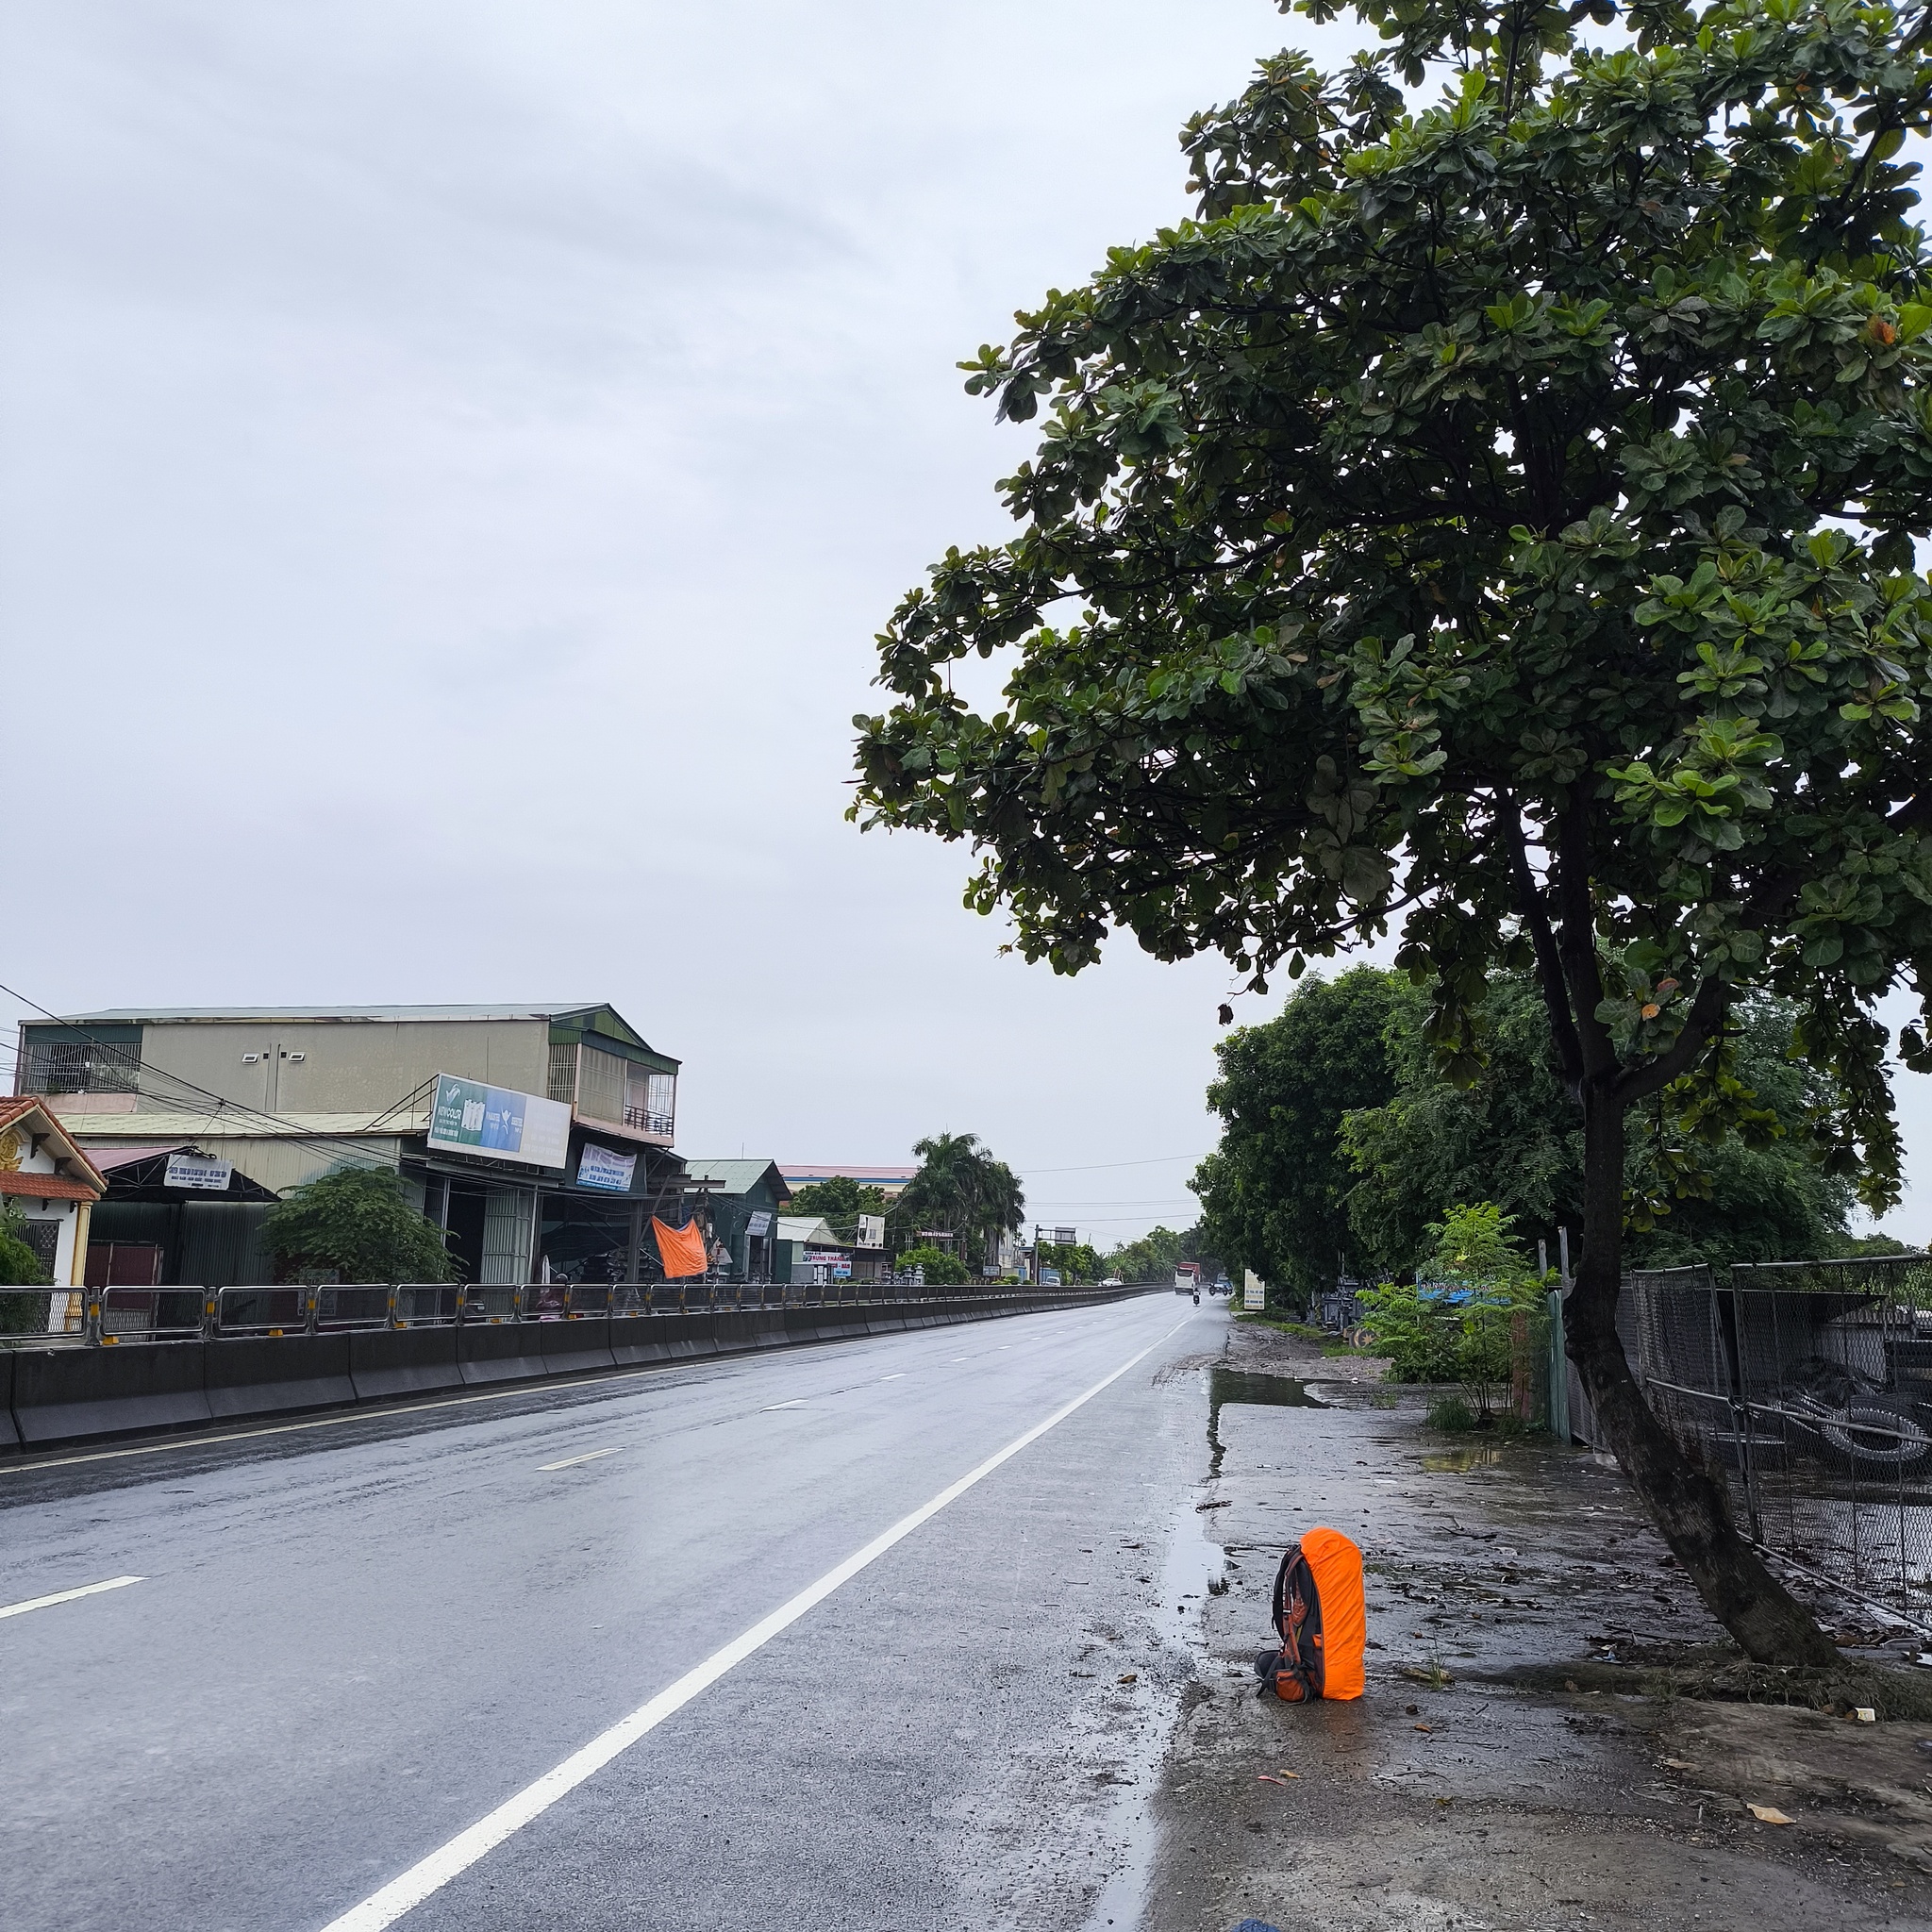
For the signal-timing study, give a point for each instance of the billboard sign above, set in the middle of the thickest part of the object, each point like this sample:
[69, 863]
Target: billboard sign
[497, 1122]
[872, 1231]
[1065, 1237]
[1254, 1290]
[599, 1167]
[198, 1171]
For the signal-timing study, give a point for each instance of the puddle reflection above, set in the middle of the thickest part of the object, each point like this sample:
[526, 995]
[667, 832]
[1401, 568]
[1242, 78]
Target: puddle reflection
[1470, 1456]
[1242, 1385]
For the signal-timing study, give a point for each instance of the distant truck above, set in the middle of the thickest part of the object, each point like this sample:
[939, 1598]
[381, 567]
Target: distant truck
[1187, 1277]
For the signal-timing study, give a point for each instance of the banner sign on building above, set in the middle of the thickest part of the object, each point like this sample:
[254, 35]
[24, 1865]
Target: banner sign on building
[759, 1225]
[598, 1167]
[835, 1261]
[467, 1117]
[872, 1231]
[198, 1171]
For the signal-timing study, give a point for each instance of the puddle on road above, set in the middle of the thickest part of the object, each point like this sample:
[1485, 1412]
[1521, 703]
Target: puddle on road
[1240, 1385]
[1470, 1456]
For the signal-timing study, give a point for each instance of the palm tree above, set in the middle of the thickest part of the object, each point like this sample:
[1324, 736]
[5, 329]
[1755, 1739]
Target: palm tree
[960, 1187]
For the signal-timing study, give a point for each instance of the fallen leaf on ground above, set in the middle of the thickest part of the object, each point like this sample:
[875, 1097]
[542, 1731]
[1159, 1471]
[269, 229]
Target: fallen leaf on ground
[1131, 1677]
[1262, 1777]
[1417, 1674]
[1287, 1773]
[1768, 1814]
[1227, 1505]
[1424, 1727]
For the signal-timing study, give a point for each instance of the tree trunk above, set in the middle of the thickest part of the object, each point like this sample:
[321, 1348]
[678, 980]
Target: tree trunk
[1684, 1503]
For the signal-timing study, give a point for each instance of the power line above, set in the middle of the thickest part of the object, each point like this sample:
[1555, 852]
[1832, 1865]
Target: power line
[245, 1115]
[1095, 1166]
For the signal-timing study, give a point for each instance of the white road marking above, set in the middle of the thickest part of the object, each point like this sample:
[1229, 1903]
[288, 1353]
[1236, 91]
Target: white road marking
[772, 1407]
[898, 1376]
[67, 1596]
[572, 1461]
[430, 1875]
[962, 1359]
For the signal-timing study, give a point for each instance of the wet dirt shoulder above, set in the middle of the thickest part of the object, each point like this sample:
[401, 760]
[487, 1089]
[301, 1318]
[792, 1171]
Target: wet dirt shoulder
[1451, 1795]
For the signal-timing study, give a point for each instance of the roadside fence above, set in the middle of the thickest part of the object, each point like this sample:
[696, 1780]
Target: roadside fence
[101, 1316]
[1805, 1389]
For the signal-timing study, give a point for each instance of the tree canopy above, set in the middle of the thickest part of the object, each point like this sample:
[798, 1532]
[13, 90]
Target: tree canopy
[358, 1222]
[1513, 1137]
[840, 1201]
[1492, 514]
[1275, 1192]
[960, 1190]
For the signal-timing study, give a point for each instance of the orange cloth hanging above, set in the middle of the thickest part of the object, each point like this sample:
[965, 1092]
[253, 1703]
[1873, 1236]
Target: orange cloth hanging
[683, 1248]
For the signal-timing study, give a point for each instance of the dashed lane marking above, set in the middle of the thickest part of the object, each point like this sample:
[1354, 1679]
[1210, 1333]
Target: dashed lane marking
[67, 1596]
[572, 1461]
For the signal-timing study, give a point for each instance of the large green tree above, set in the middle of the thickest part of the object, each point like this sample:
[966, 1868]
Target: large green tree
[1513, 1137]
[1275, 1192]
[1493, 515]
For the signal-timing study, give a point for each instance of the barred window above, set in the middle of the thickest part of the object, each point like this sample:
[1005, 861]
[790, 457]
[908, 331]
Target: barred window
[79, 1066]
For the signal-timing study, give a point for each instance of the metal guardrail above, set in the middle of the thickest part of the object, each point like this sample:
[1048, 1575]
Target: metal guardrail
[1805, 1389]
[104, 1317]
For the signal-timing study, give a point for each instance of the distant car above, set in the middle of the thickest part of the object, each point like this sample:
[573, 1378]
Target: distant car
[1112, 1281]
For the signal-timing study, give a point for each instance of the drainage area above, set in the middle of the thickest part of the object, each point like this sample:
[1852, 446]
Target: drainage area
[1241, 1384]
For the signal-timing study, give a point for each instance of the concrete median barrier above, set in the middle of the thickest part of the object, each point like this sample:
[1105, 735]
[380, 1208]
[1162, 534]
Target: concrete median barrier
[570, 1348]
[388, 1362]
[68, 1394]
[52, 1395]
[268, 1374]
[500, 1352]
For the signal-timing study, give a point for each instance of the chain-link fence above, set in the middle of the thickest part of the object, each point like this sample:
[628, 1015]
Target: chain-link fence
[1805, 1389]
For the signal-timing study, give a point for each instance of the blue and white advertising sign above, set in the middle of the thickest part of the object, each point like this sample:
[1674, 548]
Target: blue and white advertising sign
[498, 1123]
[598, 1167]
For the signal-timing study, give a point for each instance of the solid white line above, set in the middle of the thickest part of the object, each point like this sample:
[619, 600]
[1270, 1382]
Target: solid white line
[772, 1407]
[899, 1377]
[432, 1873]
[67, 1596]
[572, 1461]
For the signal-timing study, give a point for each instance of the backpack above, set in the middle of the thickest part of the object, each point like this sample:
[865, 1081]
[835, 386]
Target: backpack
[1322, 1619]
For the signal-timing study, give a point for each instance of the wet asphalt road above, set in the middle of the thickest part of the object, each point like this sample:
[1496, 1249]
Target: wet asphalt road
[354, 1641]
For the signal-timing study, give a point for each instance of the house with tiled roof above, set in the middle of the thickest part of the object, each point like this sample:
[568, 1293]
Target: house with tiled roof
[47, 1178]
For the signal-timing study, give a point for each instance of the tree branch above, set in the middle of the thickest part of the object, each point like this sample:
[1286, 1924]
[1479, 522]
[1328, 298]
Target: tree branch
[1701, 1025]
[1549, 963]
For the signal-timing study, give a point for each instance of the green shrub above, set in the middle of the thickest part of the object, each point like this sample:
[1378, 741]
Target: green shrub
[1452, 1414]
[941, 1268]
[358, 1222]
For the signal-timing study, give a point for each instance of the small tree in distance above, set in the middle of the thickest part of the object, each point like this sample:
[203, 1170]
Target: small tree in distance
[358, 1221]
[1493, 517]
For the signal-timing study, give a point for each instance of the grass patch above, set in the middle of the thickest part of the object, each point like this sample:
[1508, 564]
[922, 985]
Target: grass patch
[1452, 1415]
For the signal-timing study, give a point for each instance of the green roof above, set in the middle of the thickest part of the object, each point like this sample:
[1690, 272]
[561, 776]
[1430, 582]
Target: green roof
[739, 1176]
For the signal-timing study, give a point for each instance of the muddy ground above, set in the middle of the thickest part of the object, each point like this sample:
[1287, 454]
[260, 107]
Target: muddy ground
[1501, 1799]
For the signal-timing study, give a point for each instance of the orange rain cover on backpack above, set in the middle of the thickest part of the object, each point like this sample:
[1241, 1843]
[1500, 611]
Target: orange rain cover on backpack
[1323, 1621]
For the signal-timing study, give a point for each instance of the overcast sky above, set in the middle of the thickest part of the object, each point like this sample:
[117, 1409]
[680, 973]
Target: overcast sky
[454, 459]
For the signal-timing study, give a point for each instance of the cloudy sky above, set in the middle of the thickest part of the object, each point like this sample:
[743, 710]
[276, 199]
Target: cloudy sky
[454, 460]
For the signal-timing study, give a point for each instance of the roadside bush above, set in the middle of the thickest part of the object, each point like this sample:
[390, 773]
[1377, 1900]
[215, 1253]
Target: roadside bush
[941, 1268]
[19, 1267]
[358, 1222]
[1458, 1321]
[1450, 1414]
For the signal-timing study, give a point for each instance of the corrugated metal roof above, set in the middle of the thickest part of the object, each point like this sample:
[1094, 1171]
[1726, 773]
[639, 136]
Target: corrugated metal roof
[810, 1229]
[140, 1015]
[735, 1176]
[798, 1173]
[215, 1123]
